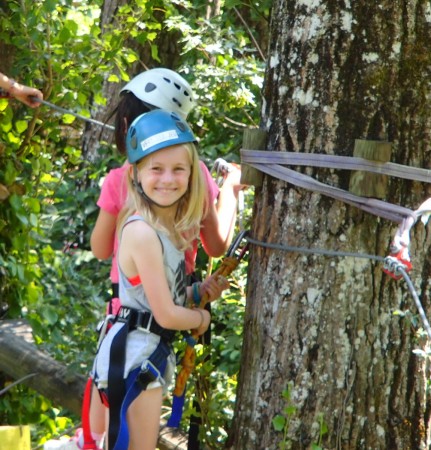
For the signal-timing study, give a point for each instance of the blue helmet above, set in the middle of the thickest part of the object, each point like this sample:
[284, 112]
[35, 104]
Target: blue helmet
[153, 131]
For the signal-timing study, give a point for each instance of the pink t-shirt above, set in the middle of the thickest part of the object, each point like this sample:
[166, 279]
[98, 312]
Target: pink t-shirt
[113, 196]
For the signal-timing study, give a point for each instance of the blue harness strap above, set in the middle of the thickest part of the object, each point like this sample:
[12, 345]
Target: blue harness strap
[137, 381]
[177, 411]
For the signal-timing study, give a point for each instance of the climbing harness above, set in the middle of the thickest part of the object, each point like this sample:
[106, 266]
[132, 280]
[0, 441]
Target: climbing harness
[122, 392]
[125, 391]
[229, 263]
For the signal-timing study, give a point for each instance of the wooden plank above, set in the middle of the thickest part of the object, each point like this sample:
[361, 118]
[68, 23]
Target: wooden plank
[253, 139]
[366, 184]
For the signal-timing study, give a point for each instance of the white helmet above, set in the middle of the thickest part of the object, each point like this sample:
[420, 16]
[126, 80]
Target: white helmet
[164, 89]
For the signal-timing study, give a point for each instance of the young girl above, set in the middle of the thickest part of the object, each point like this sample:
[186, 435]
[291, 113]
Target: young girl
[165, 89]
[162, 216]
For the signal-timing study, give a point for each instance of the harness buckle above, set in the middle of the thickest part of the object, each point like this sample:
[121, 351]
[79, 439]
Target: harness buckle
[140, 319]
[102, 327]
[149, 373]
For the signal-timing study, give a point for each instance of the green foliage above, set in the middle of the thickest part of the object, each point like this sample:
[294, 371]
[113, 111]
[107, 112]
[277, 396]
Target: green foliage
[281, 422]
[48, 190]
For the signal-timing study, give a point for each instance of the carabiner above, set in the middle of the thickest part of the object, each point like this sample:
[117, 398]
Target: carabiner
[235, 245]
[395, 261]
[222, 168]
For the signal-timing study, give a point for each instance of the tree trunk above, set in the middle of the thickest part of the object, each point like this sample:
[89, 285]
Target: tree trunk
[20, 358]
[326, 326]
[168, 52]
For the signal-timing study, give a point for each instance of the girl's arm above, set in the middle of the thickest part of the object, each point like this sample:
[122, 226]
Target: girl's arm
[20, 91]
[103, 235]
[219, 224]
[141, 253]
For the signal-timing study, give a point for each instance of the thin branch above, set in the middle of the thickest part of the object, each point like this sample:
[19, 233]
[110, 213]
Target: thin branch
[250, 33]
[10, 386]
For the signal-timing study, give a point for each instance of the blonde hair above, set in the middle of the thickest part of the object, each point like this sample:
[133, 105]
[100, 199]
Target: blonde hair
[192, 207]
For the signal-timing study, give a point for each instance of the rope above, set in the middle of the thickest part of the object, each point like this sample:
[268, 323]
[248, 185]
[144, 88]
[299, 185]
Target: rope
[227, 266]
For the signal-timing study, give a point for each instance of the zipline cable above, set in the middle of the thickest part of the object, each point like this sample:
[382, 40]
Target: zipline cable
[390, 263]
[318, 251]
[417, 300]
[79, 116]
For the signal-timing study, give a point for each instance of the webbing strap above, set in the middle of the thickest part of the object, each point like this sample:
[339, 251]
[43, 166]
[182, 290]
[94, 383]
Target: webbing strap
[89, 442]
[132, 389]
[374, 206]
[335, 162]
[116, 384]
[177, 410]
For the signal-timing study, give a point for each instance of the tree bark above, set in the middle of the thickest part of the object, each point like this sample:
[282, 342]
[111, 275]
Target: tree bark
[338, 72]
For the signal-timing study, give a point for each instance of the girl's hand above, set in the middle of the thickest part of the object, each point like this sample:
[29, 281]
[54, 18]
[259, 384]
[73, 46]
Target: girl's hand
[213, 286]
[232, 179]
[25, 93]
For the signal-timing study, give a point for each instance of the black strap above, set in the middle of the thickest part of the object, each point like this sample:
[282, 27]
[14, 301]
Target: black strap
[115, 290]
[144, 320]
[116, 383]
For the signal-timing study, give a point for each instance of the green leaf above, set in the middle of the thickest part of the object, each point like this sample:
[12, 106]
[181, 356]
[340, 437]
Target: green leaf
[68, 118]
[278, 422]
[21, 126]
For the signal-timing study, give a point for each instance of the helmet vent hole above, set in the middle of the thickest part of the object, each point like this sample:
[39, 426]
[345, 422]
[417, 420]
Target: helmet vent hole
[150, 87]
[174, 100]
[133, 139]
[177, 86]
[181, 126]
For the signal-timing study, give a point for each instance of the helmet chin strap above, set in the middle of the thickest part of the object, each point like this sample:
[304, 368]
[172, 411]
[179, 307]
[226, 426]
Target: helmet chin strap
[141, 192]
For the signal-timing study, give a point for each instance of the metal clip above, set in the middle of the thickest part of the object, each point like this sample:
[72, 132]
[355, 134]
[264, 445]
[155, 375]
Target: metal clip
[236, 244]
[222, 168]
[394, 262]
[102, 327]
[147, 328]
[148, 374]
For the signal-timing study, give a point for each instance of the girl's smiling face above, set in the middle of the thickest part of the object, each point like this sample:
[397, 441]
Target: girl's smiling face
[164, 175]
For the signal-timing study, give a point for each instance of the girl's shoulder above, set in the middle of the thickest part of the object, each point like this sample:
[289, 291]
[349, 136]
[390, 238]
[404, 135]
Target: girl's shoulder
[137, 224]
